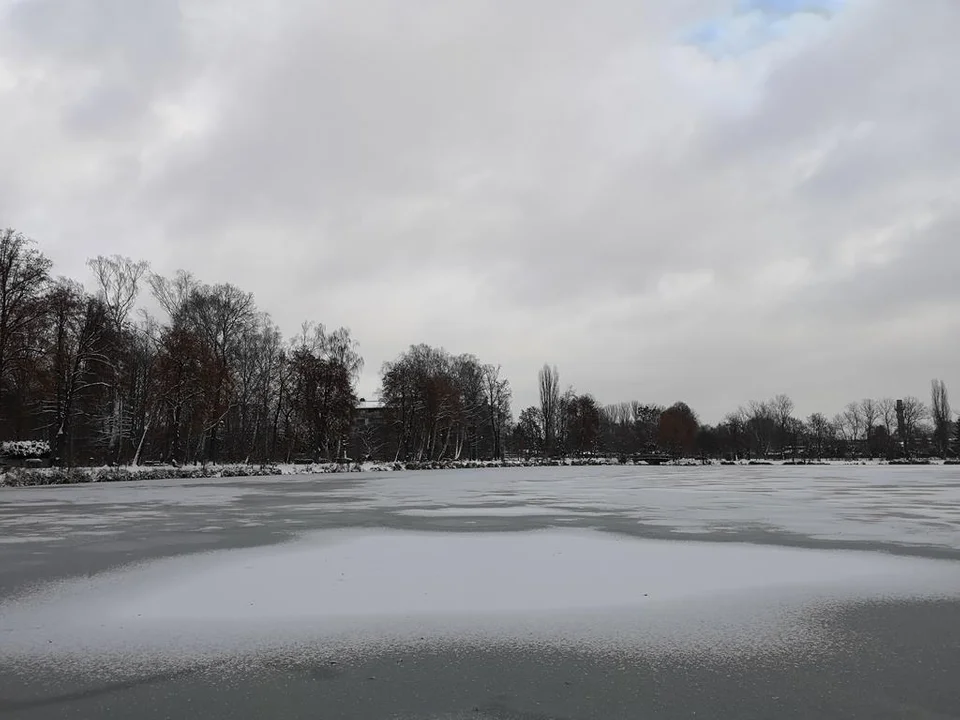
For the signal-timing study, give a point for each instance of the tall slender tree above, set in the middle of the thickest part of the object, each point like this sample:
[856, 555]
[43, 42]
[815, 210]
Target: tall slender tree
[941, 415]
[549, 382]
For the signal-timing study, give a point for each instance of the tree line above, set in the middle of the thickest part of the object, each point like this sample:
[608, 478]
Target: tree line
[569, 423]
[100, 381]
[215, 381]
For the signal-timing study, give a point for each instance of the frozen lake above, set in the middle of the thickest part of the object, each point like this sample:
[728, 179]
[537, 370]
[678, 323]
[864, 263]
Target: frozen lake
[905, 508]
[165, 593]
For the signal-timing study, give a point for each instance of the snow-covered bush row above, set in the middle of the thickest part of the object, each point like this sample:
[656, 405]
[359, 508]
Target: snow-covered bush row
[456, 465]
[24, 449]
[23, 477]
[18, 477]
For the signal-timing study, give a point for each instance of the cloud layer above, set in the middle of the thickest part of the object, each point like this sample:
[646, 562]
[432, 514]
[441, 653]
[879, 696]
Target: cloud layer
[704, 200]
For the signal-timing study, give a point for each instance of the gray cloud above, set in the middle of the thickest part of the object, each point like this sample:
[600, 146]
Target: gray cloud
[567, 182]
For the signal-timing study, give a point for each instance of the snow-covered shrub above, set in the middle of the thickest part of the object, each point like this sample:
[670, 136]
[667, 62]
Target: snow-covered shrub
[25, 477]
[22, 477]
[25, 449]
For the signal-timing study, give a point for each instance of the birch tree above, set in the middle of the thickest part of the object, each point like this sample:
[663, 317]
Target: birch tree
[118, 282]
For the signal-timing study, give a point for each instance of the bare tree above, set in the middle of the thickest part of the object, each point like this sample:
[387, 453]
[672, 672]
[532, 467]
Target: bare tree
[468, 414]
[941, 415]
[910, 413]
[956, 438]
[442, 406]
[562, 443]
[762, 424]
[782, 407]
[219, 314]
[888, 414]
[498, 395]
[78, 352]
[617, 428]
[341, 348]
[821, 432]
[734, 434]
[323, 395]
[796, 431]
[118, 286]
[887, 419]
[528, 432]
[582, 420]
[174, 295]
[24, 277]
[145, 353]
[646, 424]
[213, 380]
[870, 413]
[852, 424]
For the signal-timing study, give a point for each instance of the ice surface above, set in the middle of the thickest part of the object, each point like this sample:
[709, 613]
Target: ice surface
[898, 505]
[15, 539]
[911, 506]
[371, 588]
[383, 573]
[488, 511]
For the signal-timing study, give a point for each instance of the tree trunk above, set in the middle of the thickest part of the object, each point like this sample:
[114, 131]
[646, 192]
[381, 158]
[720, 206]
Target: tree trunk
[143, 437]
[115, 430]
[174, 449]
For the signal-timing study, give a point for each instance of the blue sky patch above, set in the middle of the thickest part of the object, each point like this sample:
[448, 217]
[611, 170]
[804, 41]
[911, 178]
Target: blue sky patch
[784, 8]
[730, 35]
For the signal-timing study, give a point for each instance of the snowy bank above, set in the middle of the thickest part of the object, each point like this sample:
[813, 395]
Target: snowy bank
[31, 477]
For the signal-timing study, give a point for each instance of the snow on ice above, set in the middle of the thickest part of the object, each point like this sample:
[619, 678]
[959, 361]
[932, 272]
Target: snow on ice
[375, 589]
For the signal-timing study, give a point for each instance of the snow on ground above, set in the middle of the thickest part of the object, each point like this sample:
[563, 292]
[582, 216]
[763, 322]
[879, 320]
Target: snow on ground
[369, 590]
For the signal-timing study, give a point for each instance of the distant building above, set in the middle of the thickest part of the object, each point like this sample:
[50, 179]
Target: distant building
[369, 432]
[368, 412]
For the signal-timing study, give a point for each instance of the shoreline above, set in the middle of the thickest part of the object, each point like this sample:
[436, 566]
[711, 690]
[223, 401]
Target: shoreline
[53, 476]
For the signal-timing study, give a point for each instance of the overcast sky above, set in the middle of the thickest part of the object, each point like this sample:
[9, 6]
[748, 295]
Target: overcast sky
[706, 200]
